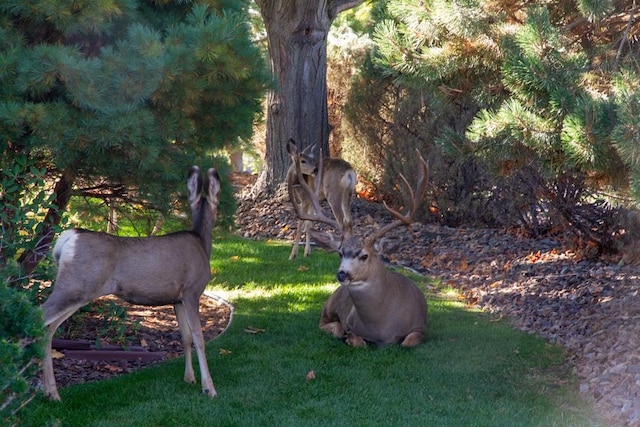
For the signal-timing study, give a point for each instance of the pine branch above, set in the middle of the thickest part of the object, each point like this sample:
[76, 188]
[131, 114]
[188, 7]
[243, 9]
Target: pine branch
[625, 35]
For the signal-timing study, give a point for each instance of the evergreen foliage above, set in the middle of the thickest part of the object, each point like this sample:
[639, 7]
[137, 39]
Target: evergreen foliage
[20, 347]
[127, 90]
[546, 91]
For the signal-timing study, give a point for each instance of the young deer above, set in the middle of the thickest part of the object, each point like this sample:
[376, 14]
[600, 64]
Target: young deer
[337, 187]
[372, 305]
[158, 270]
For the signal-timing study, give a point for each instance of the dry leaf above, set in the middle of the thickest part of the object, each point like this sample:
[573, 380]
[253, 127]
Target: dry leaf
[224, 352]
[235, 258]
[252, 330]
[302, 268]
[55, 354]
[311, 375]
[144, 343]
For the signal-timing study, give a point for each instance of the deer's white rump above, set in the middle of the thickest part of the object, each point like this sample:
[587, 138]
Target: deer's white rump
[171, 269]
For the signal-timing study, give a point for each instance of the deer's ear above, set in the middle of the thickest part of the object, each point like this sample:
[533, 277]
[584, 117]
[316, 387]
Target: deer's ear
[328, 241]
[194, 184]
[213, 185]
[292, 148]
[386, 245]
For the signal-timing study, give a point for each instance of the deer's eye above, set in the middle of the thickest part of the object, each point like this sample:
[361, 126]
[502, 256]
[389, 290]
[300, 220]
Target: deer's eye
[364, 257]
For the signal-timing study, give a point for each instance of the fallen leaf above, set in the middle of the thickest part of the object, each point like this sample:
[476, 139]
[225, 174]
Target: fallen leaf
[311, 375]
[235, 258]
[112, 368]
[55, 354]
[144, 343]
[252, 330]
[224, 352]
[302, 268]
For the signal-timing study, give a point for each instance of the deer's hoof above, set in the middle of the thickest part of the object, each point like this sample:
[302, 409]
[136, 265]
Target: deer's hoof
[54, 396]
[355, 340]
[413, 339]
[334, 328]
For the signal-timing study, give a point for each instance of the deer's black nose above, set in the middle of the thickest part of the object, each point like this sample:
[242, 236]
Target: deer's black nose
[343, 276]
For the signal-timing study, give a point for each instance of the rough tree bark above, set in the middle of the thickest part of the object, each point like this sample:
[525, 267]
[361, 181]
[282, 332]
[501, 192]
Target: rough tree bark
[29, 260]
[297, 40]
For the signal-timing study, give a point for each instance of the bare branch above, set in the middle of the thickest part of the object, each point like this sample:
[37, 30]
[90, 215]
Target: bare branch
[342, 5]
[625, 34]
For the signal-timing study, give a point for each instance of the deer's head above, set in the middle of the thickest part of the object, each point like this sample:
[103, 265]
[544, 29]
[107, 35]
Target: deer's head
[360, 255]
[305, 158]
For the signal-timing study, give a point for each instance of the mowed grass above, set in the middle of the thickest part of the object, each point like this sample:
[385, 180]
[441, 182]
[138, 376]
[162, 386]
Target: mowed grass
[471, 372]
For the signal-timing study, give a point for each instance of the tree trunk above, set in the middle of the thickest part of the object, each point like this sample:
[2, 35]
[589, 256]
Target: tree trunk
[29, 260]
[297, 39]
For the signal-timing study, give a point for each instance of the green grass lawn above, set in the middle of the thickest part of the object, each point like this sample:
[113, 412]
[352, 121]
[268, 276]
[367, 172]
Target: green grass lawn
[470, 372]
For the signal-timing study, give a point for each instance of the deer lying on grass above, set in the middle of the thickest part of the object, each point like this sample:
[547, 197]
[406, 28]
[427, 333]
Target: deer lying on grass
[338, 184]
[158, 270]
[372, 305]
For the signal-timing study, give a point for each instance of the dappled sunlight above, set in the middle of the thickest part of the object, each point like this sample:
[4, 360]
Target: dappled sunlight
[551, 256]
[298, 298]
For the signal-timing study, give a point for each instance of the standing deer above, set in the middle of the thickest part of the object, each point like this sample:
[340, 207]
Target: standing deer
[372, 304]
[158, 270]
[337, 186]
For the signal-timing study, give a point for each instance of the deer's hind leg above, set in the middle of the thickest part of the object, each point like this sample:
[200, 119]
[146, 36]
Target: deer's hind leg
[54, 315]
[192, 315]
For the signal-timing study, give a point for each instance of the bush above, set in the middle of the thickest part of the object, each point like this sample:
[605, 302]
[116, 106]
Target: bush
[21, 332]
[23, 198]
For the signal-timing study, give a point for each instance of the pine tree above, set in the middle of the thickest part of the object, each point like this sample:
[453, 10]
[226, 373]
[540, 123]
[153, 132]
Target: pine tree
[125, 92]
[515, 85]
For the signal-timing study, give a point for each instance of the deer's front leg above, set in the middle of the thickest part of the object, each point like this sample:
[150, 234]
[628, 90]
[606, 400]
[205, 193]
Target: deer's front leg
[334, 328]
